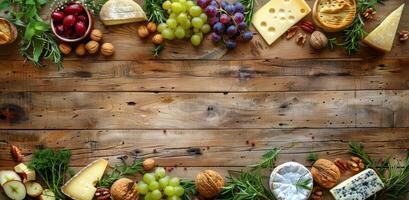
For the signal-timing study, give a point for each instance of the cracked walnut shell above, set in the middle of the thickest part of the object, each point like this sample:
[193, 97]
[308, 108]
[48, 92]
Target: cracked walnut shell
[209, 183]
[325, 173]
[92, 47]
[124, 189]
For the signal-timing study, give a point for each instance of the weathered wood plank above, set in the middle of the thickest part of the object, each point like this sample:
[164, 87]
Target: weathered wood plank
[130, 110]
[130, 47]
[209, 76]
[204, 148]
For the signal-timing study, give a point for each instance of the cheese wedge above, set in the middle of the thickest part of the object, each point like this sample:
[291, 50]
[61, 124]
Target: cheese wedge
[277, 16]
[82, 185]
[383, 36]
[116, 12]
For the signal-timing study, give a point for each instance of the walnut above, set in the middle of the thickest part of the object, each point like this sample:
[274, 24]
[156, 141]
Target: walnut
[291, 32]
[358, 164]
[92, 47]
[107, 49]
[96, 35]
[325, 173]
[301, 38]
[148, 164]
[143, 32]
[209, 183]
[65, 48]
[403, 36]
[102, 194]
[157, 39]
[318, 40]
[80, 50]
[124, 189]
[151, 27]
[16, 153]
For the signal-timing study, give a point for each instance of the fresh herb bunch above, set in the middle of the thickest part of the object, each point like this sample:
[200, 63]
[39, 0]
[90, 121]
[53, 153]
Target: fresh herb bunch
[120, 171]
[394, 175]
[154, 10]
[157, 49]
[37, 41]
[267, 160]
[190, 189]
[52, 166]
[249, 10]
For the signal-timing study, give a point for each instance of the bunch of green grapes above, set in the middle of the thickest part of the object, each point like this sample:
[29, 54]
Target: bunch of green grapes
[186, 20]
[157, 185]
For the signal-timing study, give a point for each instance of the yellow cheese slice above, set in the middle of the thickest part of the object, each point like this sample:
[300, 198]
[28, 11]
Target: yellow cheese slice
[82, 185]
[277, 16]
[383, 36]
[116, 12]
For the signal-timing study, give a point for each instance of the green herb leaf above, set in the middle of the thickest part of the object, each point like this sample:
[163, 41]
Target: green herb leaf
[190, 189]
[121, 171]
[157, 49]
[154, 11]
[248, 10]
[268, 159]
[312, 157]
[4, 4]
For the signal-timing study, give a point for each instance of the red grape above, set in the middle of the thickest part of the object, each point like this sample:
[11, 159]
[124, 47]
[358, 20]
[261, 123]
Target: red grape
[74, 8]
[80, 28]
[82, 18]
[238, 17]
[211, 11]
[59, 29]
[68, 21]
[57, 16]
[216, 37]
[224, 19]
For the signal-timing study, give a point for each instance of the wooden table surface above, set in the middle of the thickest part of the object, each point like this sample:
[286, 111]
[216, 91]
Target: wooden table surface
[204, 107]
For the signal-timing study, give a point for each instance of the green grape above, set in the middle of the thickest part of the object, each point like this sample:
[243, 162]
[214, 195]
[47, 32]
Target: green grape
[179, 191]
[167, 34]
[205, 28]
[183, 2]
[174, 181]
[143, 188]
[181, 18]
[171, 23]
[148, 178]
[163, 182]
[160, 172]
[148, 197]
[196, 30]
[169, 191]
[179, 32]
[189, 4]
[177, 7]
[162, 27]
[188, 33]
[200, 34]
[156, 195]
[166, 5]
[195, 40]
[154, 185]
[203, 16]
[195, 11]
[186, 25]
[173, 16]
[174, 198]
[197, 22]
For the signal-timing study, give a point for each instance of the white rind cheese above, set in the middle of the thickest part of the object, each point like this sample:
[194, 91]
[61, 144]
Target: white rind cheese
[359, 187]
[284, 179]
[277, 16]
[116, 12]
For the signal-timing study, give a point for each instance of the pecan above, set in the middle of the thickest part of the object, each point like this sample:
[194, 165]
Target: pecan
[369, 13]
[308, 26]
[301, 38]
[102, 194]
[291, 32]
[403, 36]
[342, 165]
[16, 153]
[317, 193]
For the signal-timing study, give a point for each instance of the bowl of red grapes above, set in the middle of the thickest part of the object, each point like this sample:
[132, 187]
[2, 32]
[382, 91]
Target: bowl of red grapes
[71, 22]
[227, 21]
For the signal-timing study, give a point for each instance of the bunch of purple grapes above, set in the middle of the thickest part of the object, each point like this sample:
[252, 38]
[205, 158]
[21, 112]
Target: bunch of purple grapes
[227, 21]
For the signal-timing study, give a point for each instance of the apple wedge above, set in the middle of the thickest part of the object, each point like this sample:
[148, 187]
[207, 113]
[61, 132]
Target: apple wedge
[8, 175]
[47, 195]
[34, 189]
[15, 190]
[20, 168]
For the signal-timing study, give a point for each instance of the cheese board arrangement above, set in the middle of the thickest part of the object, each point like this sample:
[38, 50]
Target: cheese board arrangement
[328, 23]
[47, 176]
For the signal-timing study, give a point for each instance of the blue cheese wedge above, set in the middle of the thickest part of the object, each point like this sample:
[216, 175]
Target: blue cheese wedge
[358, 187]
[290, 181]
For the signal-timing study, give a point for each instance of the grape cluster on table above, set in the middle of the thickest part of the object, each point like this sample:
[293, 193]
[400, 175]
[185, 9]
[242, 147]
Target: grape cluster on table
[157, 185]
[227, 21]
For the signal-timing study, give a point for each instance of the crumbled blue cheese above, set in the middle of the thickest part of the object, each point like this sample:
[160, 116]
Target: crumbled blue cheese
[358, 187]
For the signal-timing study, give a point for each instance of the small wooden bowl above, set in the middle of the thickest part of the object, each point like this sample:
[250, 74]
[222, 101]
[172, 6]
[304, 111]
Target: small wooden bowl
[73, 40]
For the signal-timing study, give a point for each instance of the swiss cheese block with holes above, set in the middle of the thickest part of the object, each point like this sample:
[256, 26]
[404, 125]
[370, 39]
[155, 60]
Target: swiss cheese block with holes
[277, 16]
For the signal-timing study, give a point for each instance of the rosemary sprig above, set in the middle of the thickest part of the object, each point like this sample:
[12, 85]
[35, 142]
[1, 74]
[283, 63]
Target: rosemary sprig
[120, 171]
[267, 160]
[304, 183]
[157, 49]
[154, 11]
[248, 10]
[312, 157]
[190, 189]
[332, 43]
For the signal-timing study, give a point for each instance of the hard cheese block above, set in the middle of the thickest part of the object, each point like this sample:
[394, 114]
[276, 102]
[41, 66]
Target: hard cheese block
[116, 12]
[82, 185]
[277, 16]
[383, 36]
[358, 187]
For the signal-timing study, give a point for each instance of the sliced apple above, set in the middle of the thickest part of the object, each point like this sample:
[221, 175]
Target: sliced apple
[8, 175]
[47, 195]
[20, 168]
[34, 189]
[15, 190]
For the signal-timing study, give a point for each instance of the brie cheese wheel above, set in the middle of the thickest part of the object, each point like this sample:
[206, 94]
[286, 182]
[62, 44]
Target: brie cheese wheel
[334, 15]
[116, 12]
[286, 178]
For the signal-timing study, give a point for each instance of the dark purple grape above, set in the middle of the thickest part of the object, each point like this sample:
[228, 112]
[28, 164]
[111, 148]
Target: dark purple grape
[211, 11]
[214, 3]
[202, 3]
[213, 20]
[242, 26]
[238, 17]
[216, 37]
[238, 7]
[230, 9]
[247, 35]
[224, 4]
[231, 30]
[224, 19]
[231, 44]
[218, 28]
